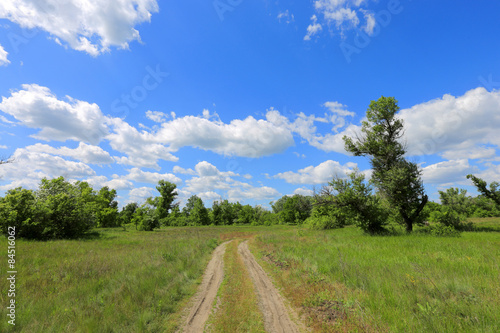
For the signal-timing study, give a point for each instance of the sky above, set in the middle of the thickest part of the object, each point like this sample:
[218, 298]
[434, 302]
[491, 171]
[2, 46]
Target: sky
[242, 100]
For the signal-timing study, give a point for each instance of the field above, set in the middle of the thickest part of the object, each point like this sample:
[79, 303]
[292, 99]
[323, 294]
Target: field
[339, 280]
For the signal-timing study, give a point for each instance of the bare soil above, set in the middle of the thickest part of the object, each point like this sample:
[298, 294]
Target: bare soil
[207, 291]
[276, 316]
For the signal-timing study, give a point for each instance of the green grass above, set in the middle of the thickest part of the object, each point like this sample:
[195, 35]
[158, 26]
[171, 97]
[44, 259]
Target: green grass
[120, 282]
[408, 283]
[238, 310]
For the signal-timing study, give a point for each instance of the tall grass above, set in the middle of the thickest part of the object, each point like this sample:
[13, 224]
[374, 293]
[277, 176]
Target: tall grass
[408, 283]
[123, 281]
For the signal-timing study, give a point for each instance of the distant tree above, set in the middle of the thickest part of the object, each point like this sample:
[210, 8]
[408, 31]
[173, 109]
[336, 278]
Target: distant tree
[293, 209]
[493, 192]
[246, 215]
[196, 212]
[62, 210]
[398, 180]
[145, 218]
[457, 200]
[17, 209]
[127, 212]
[168, 195]
[106, 208]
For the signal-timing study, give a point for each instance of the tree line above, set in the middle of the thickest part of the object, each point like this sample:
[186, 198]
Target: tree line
[394, 195]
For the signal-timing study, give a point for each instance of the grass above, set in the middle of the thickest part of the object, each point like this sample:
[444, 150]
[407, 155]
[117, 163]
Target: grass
[123, 281]
[341, 280]
[237, 309]
[412, 283]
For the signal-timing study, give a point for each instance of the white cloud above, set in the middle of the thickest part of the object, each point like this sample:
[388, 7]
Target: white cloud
[84, 152]
[455, 127]
[320, 174]
[286, 17]
[140, 176]
[29, 167]
[38, 107]
[156, 116]
[370, 22]
[140, 194]
[246, 138]
[116, 183]
[92, 26]
[178, 169]
[313, 28]
[3, 56]
[303, 191]
[143, 149]
[448, 173]
[343, 15]
[253, 193]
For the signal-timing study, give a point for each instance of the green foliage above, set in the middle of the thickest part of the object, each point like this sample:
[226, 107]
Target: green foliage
[397, 179]
[17, 209]
[493, 192]
[63, 210]
[167, 197]
[146, 218]
[450, 218]
[127, 213]
[356, 203]
[293, 209]
[320, 222]
[442, 230]
[195, 212]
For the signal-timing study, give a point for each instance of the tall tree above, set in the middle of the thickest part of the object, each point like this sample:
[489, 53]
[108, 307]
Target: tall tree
[396, 178]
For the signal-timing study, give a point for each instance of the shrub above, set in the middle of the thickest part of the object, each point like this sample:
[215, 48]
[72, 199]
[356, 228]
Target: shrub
[324, 222]
[441, 230]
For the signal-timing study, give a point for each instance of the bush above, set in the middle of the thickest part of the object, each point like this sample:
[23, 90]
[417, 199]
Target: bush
[441, 230]
[324, 222]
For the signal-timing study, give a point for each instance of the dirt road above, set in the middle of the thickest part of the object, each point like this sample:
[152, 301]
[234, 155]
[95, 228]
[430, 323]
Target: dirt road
[207, 292]
[276, 316]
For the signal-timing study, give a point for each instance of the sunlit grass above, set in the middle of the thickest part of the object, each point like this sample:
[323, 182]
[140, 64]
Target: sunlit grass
[412, 283]
[122, 282]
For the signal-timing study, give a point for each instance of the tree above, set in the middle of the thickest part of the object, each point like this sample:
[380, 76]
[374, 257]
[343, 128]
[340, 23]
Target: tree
[397, 179]
[146, 218]
[293, 209]
[62, 210]
[17, 209]
[457, 200]
[106, 208]
[168, 195]
[196, 212]
[127, 212]
[493, 192]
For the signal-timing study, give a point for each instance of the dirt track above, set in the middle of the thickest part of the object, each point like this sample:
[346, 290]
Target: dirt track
[276, 316]
[207, 292]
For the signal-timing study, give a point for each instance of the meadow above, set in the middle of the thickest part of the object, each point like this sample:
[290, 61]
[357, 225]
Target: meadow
[340, 280]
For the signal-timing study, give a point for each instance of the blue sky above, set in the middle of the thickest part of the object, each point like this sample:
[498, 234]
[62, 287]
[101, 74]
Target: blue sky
[242, 100]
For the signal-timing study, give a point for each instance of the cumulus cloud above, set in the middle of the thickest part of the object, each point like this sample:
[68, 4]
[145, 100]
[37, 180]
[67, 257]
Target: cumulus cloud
[319, 174]
[214, 184]
[463, 127]
[140, 194]
[37, 107]
[29, 167]
[303, 191]
[116, 183]
[92, 26]
[140, 176]
[3, 56]
[84, 152]
[448, 173]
